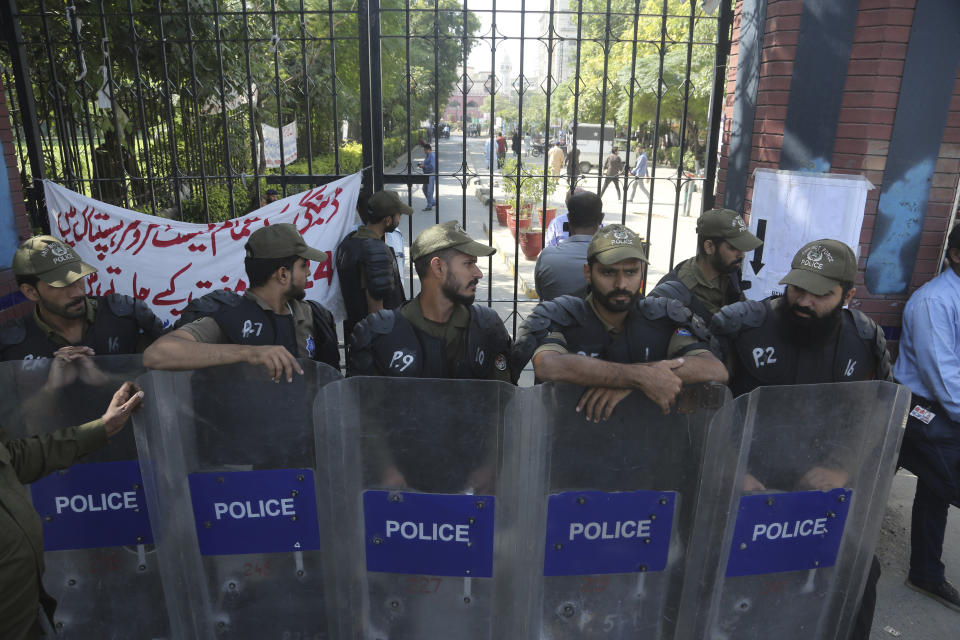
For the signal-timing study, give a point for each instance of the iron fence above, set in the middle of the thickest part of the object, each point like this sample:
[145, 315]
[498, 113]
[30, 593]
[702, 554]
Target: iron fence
[177, 108]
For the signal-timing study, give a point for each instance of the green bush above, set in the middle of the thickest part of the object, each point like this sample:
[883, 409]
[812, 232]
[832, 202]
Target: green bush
[245, 192]
[670, 156]
[218, 203]
[351, 161]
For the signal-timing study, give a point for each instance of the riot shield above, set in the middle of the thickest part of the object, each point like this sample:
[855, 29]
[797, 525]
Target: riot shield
[101, 563]
[610, 513]
[797, 535]
[413, 473]
[228, 470]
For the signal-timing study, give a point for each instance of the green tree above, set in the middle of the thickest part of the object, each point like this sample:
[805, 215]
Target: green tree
[610, 42]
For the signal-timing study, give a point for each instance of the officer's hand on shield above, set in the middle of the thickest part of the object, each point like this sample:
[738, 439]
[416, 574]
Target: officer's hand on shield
[88, 371]
[751, 483]
[599, 402]
[659, 382]
[62, 370]
[392, 478]
[278, 361]
[125, 400]
[823, 479]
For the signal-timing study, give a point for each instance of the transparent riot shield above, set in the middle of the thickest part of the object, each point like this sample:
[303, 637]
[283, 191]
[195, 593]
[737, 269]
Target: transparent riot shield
[413, 470]
[789, 555]
[101, 563]
[610, 512]
[228, 470]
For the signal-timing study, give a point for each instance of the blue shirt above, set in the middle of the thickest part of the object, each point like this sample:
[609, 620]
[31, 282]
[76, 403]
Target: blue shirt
[929, 360]
[559, 269]
[429, 163]
[640, 170]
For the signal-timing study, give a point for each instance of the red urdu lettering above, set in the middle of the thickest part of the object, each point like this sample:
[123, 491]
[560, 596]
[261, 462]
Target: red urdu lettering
[243, 233]
[324, 269]
[214, 229]
[180, 238]
[143, 293]
[64, 219]
[162, 298]
[85, 218]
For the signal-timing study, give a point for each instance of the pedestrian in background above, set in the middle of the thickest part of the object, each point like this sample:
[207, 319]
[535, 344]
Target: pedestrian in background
[429, 167]
[612, 168]
[639, 173]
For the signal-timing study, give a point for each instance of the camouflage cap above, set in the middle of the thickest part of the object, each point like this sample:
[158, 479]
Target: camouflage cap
[447, 235]
[821, 265]
[729, 225]
[387, 203]
[614, 243]
[281, 241]
[51, 260]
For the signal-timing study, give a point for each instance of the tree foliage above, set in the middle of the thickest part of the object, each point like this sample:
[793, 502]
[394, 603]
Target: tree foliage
[639, 51]
[193, 82]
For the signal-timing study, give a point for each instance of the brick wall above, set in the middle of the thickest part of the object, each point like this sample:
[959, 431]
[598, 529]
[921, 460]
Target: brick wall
[21, 220]
[864, 129]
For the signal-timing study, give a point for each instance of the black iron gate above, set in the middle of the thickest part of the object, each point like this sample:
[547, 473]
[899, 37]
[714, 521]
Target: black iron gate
[178, 108]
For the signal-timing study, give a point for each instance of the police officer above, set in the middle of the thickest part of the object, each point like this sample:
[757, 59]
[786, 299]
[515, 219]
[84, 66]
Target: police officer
[366, 266]
[65, 321]
[25, 460]
[711, 279]
[613, 341]
[807, 336]
[270, 325]
[441, 333]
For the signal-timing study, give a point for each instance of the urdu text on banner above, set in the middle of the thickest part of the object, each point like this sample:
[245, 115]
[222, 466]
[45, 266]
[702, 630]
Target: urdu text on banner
[167, 263]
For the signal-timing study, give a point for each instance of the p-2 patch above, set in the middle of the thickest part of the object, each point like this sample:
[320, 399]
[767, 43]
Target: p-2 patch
[923, 415]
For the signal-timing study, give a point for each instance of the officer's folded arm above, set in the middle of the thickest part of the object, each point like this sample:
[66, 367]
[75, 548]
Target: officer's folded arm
[656, 379]
[702, 366]
[179, 350]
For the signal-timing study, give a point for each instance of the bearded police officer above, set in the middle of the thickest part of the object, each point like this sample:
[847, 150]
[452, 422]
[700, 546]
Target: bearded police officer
[807, 336]
[65, 321]
[711, 279]
[613, 341]
[441, 333]
[366, 266]
[270, 325]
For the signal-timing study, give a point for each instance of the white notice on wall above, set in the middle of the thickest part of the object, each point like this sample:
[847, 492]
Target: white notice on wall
[271, 144]
[792, 208]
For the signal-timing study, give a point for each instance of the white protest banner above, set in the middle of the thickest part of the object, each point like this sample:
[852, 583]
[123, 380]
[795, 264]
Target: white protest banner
[271, 144]
[167, 263]
[790, 209]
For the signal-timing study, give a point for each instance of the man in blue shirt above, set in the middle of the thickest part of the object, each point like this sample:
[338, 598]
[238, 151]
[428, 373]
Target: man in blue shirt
[640, 175]
[559, 269]
[929, 365]
[429, 166]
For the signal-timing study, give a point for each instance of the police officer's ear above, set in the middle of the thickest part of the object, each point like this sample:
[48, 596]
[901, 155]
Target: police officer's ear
[709, 247]
[847, 298]
[437, 266]
[586, 273]
[30, 292]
